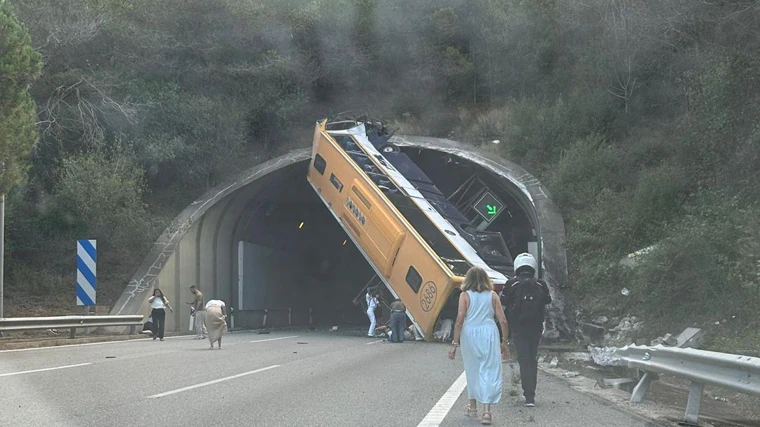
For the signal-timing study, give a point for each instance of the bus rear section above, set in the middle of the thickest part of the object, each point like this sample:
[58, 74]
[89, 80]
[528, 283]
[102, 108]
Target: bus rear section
[347, 181]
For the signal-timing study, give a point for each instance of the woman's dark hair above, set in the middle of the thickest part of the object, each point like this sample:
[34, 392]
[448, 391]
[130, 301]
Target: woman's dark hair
[159, 291]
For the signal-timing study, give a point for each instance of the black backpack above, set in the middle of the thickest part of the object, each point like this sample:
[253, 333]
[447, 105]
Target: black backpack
[529, 302]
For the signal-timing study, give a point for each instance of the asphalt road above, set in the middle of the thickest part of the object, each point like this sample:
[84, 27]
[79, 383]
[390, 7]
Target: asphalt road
[285, 378]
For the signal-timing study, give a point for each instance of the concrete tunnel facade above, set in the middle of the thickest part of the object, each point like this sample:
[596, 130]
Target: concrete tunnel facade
[265, 243]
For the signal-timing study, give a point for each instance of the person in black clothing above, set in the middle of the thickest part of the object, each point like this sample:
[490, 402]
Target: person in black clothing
[524, 298]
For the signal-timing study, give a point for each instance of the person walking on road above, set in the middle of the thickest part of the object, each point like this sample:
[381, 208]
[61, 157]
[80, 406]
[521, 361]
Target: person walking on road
[158, 305]
[216, 321]
[475, 325]
[525, 299]
[398, 321]
[199, 312]
[372, 303]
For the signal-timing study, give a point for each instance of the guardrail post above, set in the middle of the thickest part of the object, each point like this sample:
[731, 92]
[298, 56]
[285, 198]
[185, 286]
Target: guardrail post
[72, 333]
[692, 405]
[132, 330]
[264, 323]
[87, 313]
[290, 316]
[641, 388]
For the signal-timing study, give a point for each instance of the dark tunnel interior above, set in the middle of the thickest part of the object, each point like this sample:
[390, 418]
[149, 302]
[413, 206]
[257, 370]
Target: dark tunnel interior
[297, 256]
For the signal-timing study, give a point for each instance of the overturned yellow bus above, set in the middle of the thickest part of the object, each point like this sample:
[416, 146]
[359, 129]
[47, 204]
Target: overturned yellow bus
[415, 240]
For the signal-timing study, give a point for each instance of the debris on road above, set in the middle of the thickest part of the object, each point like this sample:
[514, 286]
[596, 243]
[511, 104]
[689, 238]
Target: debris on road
[443, 330]
[605, 356]
[690, 337]
[667, 340]
[625, 332]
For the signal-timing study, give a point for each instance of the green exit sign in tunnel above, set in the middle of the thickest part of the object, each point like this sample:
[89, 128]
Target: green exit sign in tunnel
[488, 206]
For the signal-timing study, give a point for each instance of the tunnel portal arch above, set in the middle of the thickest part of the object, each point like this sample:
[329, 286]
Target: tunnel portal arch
[270, 219]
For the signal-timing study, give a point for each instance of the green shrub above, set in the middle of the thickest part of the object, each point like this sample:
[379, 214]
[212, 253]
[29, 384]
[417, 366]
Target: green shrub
[707, 267]
[657, 199]
[100, 196]
[538, 131]
[586, 167]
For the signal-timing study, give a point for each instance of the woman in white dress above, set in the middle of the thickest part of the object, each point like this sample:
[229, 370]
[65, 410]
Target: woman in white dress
[478, 304]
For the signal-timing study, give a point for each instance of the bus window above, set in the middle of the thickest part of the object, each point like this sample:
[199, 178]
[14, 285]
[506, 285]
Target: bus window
[320, 164]
[346, 142]
[414, 279]
[360, 159]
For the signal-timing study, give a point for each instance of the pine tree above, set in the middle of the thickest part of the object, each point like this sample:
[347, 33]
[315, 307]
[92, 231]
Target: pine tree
[20, 65]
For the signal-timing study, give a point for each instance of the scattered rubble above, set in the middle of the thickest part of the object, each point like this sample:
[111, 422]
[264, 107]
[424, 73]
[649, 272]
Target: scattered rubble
[553, 364]
[605, 356]
[571, 374]
[667, 340]
[624, 333]
[592, 333]
[551, 335]
[601, 320]
[690, 337]
[443, 330]
[577, 356]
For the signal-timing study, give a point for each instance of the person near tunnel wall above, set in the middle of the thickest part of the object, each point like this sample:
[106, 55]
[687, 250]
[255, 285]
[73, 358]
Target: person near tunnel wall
[158, 304]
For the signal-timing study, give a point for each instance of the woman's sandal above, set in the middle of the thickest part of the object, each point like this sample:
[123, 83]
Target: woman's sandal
[486, 418]
[470, 412]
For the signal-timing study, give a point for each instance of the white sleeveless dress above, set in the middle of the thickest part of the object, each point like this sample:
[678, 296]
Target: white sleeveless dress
[481, 351]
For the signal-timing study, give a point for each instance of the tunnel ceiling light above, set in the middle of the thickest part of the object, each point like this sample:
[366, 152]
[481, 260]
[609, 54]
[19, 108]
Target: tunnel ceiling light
[300, 225]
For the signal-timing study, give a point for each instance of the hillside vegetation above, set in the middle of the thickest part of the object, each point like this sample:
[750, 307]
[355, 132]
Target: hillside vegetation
[643, 119]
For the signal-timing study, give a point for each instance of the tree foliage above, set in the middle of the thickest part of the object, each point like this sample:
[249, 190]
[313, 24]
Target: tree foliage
[19, 68]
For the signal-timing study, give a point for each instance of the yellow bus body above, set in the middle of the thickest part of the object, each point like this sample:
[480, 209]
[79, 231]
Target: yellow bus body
[392, 246]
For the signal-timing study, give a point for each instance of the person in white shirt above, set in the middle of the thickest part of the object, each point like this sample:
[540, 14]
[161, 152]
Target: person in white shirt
[158, 305]
[216, 321]
[372, 303]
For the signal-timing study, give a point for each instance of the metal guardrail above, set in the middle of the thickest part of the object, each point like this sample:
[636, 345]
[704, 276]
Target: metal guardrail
[266, 312]
[729, 371]
[69, 322]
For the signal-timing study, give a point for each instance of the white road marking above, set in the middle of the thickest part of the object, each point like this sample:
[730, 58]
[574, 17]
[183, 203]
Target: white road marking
[43, 370]
[374, 342]
[435, 417]
[180, 390]
[275, 339]
[92, 343]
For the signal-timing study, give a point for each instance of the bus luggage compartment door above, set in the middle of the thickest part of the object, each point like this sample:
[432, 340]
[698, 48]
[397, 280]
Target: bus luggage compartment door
[376, 230]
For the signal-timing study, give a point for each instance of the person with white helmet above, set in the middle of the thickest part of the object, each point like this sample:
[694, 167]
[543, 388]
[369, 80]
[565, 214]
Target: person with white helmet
[524, 298]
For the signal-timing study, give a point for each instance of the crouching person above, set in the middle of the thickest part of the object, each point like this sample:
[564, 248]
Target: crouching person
[398, 321]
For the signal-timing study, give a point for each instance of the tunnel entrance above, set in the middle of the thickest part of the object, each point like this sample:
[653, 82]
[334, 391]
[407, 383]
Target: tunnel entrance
[293, 254]
[266, 244]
